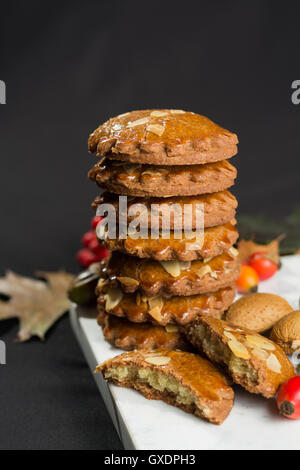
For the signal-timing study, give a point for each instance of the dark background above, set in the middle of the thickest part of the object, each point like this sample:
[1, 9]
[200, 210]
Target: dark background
[69, 66]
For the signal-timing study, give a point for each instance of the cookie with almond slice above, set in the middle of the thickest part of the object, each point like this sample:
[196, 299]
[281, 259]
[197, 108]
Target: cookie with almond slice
[128, 336]
[218, 208]
[178, 310]
[181, 379]
[162, 181]
[211, 242]
[169, 278]
[163, 137]
[253, 361]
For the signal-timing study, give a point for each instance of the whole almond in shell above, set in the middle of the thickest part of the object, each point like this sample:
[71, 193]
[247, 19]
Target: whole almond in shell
[286, 332]
[258, 312]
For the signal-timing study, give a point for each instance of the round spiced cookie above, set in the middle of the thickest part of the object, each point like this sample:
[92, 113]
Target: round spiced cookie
[219, 208]
[163, 137]
[212, 242]
[253, 361]
[180, 310]
[163, 181]
[173, 277]
[128, 336]
[179, 378]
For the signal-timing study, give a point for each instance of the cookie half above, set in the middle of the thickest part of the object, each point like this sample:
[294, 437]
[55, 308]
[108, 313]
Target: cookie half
[219, 208]
[215, 241]
[163, 181]
[163, 137]
[173, 277]
[128, 336]
[181, 379]
[253, 361]
[160, 310]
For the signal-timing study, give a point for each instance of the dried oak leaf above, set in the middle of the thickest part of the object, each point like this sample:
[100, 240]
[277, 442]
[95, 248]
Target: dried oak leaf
[248, 247]
[36, 303]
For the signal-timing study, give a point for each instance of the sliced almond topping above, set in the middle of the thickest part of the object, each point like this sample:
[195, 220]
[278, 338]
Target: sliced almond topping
[123, 115]
[260, 354]
[158, 361]
[112, 298]
[204, 270]
[159, 113]
[101, 283]
[207, 260]
[155, 314]
[156, 304]
[171, 328]
[260, 342]
[296, 344]
[233, 251]
[214, 274]
[138, 122]
[239, 349]
[273, 363]
[177, 111]
[229, 335]
[156, 129]
[175, 267]
[151, 173]
[153, 353]
[128, 281]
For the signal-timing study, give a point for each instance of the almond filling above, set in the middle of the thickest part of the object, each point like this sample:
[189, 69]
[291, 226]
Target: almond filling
[156, 380]
[223, 354]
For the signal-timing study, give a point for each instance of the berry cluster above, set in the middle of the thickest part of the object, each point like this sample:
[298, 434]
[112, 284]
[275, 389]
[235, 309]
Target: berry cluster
[93, 251]
[257, 268]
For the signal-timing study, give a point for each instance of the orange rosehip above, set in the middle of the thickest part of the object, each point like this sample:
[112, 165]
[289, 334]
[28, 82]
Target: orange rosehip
[248, 280]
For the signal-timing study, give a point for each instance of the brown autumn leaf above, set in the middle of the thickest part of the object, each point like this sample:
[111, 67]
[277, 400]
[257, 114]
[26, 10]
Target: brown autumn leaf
[248, 247]
[36, 303]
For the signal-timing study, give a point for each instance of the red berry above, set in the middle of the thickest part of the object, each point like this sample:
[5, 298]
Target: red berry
[85, 257]
[101, 252]
[87, 238]
[288, 398]
[94, 245]
[95, 221]
[264, 267]
[258, 254]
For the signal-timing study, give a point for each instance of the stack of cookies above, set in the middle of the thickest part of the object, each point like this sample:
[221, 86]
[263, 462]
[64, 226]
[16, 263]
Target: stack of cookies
[153, 285]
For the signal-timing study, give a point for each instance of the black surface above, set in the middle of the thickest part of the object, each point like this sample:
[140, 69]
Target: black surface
[70, 65]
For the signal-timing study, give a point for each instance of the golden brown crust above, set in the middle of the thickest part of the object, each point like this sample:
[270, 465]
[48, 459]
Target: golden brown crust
[151, 278]
[269, 363]
[176, 138]
[213, 397]
[216, 241]
[219, 208]
[163, 181]
[128, 336]
[164, 311]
